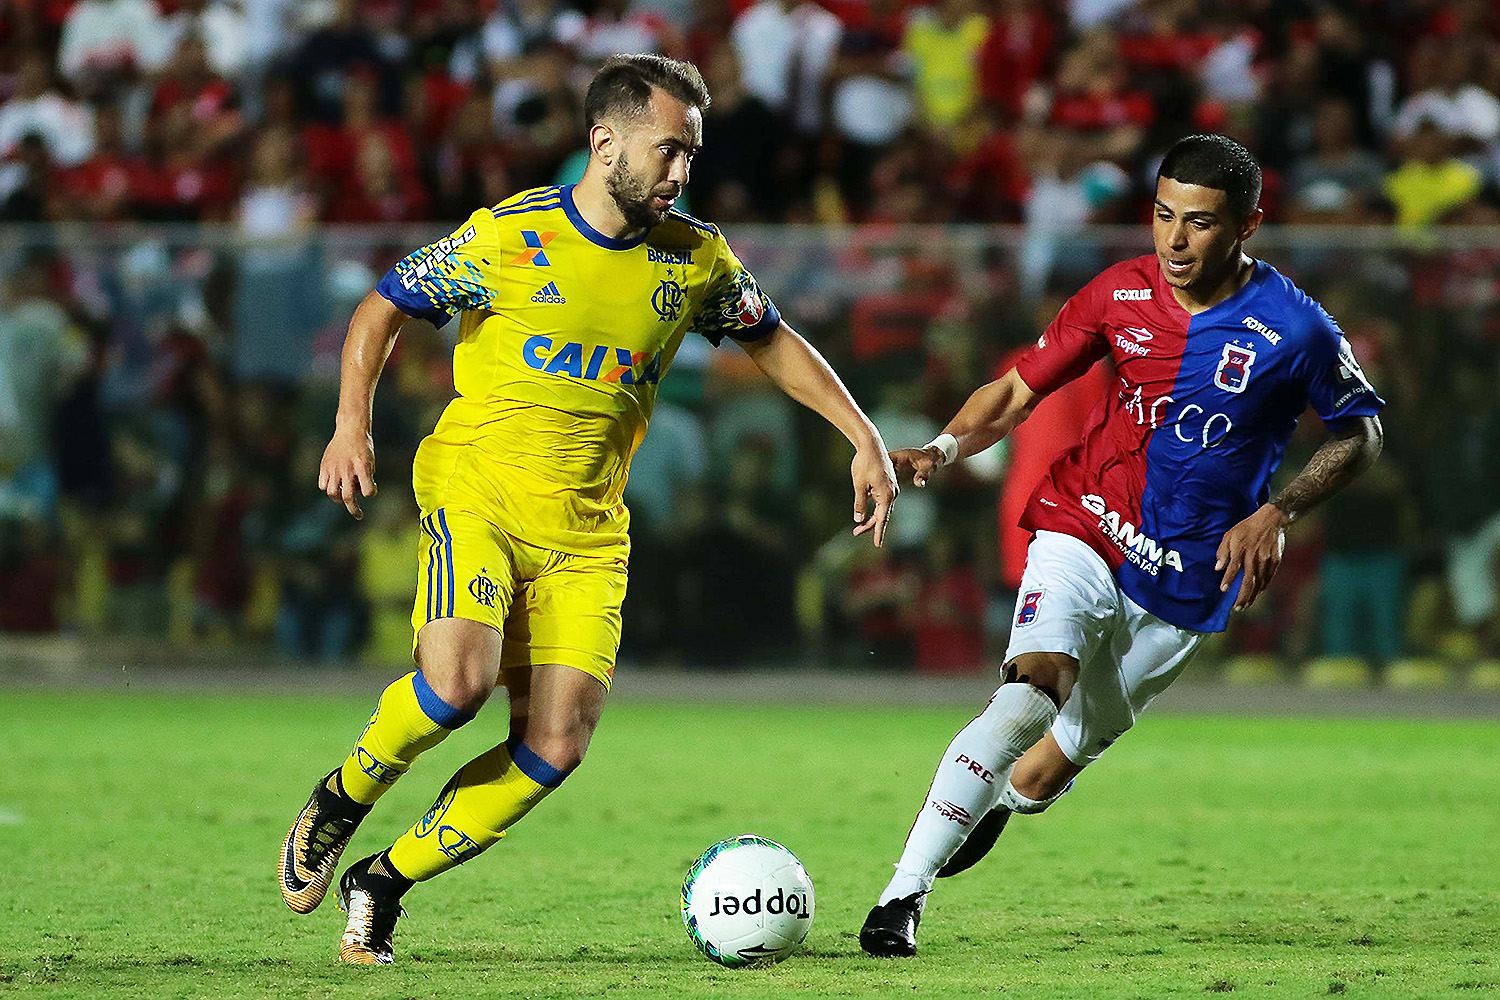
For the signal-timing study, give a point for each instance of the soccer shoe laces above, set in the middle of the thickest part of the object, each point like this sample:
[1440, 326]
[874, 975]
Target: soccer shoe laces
[328, 834]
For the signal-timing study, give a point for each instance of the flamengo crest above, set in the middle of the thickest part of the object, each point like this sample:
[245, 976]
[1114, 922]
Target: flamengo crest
[1233, 373]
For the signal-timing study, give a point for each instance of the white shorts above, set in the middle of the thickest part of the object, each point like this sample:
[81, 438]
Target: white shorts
[1069, 603]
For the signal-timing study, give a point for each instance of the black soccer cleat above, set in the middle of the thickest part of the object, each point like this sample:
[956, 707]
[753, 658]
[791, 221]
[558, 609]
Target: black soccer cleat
[310, 853]
[890, 931]
[980, 841]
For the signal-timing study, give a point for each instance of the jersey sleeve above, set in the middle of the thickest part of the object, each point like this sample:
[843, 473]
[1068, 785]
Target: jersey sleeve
[445, 277]
[1336, 386]
[735, 306]
[1067, 348]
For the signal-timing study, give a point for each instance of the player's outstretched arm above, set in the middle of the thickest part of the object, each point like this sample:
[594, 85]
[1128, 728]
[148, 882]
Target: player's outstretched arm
[993, 411]
[802, 373]
[348, 469]
[1256, 543]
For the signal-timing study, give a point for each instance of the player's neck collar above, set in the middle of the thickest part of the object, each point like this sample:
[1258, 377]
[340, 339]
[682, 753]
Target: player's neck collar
[570, 208]
[1257, 273]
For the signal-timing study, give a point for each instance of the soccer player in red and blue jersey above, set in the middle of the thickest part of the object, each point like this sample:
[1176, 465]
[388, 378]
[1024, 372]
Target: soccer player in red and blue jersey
[1158, 524]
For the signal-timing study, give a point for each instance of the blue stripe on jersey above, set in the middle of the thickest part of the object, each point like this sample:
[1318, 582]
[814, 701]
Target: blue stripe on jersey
[447, 555]
[541, 206]
[541, 194]
[695, 223]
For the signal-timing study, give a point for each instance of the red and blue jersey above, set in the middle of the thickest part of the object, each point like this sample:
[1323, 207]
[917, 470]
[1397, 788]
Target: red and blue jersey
[1185, 447]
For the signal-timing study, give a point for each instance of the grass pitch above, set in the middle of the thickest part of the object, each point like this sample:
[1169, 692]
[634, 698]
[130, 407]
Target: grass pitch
[1276, 858]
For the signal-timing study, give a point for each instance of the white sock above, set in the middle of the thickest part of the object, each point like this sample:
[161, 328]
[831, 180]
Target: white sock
[968, 782]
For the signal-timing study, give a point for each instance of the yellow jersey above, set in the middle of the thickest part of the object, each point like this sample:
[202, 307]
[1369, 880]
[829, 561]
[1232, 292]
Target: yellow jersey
[564, 333]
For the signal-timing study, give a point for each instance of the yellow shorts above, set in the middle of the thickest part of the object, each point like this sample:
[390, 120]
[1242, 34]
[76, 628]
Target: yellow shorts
[551, 607]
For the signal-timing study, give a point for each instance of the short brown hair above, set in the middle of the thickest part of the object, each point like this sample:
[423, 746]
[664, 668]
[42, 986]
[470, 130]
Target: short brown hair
[623, 86]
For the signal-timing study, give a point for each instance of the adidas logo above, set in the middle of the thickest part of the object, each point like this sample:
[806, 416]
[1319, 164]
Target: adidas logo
[549, 293]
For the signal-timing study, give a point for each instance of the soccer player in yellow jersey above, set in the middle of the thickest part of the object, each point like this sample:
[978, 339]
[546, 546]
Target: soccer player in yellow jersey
[572, 302]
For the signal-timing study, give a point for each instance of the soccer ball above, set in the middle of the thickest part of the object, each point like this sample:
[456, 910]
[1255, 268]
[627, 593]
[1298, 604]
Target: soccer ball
[747, 899]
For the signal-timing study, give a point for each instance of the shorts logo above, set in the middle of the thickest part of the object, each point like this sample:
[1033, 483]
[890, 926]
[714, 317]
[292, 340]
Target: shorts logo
[533, 254]
[668, 300]
[484, 589]
[1233, 373]
[1030, 604]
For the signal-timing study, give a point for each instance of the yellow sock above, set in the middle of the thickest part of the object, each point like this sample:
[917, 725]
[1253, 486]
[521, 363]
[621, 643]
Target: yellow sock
[409, 719]
[485, 797]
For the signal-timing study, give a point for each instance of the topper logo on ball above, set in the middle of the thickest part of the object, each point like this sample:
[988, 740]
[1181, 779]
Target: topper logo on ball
[792, 903]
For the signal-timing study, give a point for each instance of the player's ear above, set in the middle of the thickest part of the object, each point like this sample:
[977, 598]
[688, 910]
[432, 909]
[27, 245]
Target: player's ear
[1252, 223]
[603, 143]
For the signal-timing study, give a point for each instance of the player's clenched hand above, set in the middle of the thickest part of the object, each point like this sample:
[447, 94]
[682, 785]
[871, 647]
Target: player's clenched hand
[918, 462]
[874, 479]
[1254, 545]
[348, 469]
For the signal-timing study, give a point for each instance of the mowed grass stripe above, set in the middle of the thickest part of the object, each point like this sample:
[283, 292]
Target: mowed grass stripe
[1272, 858]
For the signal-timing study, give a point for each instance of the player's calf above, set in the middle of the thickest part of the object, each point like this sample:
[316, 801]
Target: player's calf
[968, 782]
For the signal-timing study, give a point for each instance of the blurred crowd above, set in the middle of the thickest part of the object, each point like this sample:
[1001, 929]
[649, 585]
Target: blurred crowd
[279, 114]
[165, 393]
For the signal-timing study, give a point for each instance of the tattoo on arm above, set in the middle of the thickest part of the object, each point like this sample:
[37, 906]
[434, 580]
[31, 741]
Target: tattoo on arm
[1332, 467]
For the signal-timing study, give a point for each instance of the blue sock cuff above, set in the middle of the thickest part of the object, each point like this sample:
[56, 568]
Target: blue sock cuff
[434, 707]
[534, 767]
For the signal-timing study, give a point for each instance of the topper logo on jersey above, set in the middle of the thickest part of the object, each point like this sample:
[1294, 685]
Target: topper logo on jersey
[533, 254]
[1143, 552]
[1132, 294]
[576, 360]
[1233, 373]
[1030, 603]
[1138, 334]
[434, 257]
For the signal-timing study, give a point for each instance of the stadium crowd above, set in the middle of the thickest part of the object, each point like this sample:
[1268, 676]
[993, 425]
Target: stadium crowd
[165, 393]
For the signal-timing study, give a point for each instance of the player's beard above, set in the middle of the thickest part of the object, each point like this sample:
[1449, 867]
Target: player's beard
[632, 197]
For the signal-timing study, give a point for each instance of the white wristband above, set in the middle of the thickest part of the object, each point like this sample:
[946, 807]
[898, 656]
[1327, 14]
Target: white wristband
[947, 444]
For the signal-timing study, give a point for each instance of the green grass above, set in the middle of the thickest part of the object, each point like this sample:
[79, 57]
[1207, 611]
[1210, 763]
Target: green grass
[1277, 858]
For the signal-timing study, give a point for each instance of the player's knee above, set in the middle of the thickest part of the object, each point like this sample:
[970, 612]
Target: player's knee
[563, 751]
[466, 689]
[1052, 674]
